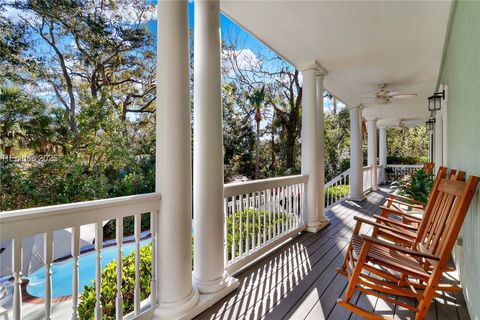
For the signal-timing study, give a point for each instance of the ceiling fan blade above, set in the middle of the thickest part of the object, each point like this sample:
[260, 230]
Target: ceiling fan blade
[392, 93]
[404, 95]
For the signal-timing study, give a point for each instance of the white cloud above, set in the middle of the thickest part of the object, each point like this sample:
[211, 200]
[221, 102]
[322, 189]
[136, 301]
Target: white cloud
[244, 59]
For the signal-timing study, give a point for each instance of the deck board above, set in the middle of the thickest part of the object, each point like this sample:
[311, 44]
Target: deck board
[299, 280]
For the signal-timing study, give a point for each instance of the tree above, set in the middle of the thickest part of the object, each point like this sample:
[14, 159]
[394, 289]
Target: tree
[93, 46]
[24, 121]
[257, 99]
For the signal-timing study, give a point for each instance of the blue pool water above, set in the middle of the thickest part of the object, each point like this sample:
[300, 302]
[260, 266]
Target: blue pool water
[62, 272]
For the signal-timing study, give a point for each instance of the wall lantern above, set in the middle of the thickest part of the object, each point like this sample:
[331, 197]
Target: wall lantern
[430, 124]
[435, 101]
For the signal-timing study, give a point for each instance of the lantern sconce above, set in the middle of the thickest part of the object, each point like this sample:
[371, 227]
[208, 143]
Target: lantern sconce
[430, 124]
[435, 101]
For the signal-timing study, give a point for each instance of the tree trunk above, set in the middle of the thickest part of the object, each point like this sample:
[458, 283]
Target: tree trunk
[258, 118]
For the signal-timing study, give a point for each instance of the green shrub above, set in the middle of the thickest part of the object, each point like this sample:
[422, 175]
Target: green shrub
[86, 307]
[417, 186]
[259, 221]
[338, 191]
[406, 160]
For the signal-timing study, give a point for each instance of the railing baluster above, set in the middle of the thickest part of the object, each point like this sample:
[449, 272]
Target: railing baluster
[233, 227]
[264, 198]
[75, 276]
[289, 191]
[259, 224]
[17, 281]
[240, 229]
[153, 232]
[253, 220]
[98, 270]
[247, 236]
[136, 292]
[279, 212]
[119, 297]
[269, 198]
[48, 257]
[225, 230]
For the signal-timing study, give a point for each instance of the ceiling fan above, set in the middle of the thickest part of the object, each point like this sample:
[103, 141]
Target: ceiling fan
[384, 96]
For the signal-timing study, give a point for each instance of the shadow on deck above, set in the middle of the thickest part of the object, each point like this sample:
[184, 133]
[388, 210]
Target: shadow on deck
[299, 280]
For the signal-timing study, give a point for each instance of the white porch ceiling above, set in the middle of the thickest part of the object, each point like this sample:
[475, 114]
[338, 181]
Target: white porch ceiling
[361, 43]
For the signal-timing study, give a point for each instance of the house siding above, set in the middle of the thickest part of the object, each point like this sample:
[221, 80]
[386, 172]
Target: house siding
[461, 74]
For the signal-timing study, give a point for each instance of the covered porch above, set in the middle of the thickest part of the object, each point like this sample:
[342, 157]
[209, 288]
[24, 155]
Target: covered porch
[299, 280]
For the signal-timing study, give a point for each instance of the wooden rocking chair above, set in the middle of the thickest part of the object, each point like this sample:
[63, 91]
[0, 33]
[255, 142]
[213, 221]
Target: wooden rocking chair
[383, 269]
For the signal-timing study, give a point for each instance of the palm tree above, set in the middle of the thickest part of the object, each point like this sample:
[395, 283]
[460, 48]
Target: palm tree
[256, 100]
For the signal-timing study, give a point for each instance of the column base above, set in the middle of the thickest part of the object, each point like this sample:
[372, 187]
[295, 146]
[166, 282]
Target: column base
[358, 198]
[316, 226]
[211, 286]
[203, 302]
[177, 309]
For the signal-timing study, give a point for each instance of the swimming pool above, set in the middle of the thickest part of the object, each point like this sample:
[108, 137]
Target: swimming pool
[62, 271]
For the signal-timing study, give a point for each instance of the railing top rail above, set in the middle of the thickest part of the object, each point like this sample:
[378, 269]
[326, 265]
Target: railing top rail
[26, 222]
[405, 165]
[337, 178]
[236, 188]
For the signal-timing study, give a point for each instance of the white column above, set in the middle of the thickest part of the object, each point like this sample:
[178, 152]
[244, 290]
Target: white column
[209, 274]
[430, 147]
[310, 145]
[382, 151]
[173, 168]
[372, 150]
[438, 150]
[321, 73]
[356, 155]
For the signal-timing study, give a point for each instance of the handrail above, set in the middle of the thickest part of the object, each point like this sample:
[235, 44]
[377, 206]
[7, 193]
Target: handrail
[337, 178]
[28, 222]
[343, 179]
[236, 188]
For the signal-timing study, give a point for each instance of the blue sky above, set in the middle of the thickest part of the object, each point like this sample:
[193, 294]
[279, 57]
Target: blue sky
[226, 26]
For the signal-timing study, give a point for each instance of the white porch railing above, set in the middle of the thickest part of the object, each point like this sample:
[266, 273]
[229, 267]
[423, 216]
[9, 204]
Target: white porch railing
[260, 215]
[395, 172]
[337, 189]
[19, 224]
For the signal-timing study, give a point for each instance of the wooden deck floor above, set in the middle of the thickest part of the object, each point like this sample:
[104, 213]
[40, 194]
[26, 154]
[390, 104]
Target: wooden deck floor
[299, 281]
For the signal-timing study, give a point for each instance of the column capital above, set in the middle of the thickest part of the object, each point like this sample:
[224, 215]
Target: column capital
[320, 71]
[374, 119]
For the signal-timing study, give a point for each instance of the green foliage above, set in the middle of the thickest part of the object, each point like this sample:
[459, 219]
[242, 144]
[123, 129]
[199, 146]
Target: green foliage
[66, 179]
[407, 142]
[259, 222]
[337, 141]
[406, 160]
[24, 121]
[417, 186]
[338, 191]
[86, 307]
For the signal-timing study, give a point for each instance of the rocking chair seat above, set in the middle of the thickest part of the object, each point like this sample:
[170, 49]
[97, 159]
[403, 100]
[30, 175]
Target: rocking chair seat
[379, 254]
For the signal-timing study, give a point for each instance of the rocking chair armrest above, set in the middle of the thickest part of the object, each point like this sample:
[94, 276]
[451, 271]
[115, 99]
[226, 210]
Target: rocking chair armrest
[397, 196]
[395, 222]
[411, 205]
[399, 248]
[400, 213]
[404, 233]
